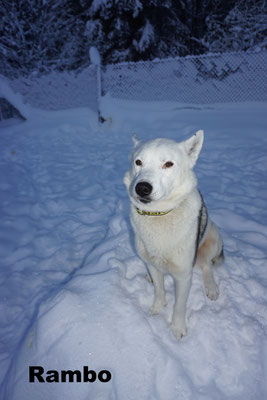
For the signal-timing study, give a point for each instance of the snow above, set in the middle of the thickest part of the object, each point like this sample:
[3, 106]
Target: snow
[15, 99]
[74, 292]
[94, 56]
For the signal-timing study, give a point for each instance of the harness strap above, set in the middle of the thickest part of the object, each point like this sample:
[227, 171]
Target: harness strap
[202, 225]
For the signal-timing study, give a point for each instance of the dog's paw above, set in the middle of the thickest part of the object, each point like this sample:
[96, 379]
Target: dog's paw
[212, 291]
[179, 330]
[157, 306]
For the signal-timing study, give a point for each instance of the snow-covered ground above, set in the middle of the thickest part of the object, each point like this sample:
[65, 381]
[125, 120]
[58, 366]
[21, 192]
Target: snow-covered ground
[73, 290]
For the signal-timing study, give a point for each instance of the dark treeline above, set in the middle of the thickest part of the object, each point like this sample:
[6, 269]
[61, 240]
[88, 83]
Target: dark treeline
[38, 35]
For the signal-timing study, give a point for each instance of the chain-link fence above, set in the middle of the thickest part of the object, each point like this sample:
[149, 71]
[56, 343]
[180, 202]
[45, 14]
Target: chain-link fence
[59, 90]
[205, 79]
[54, 91]
[215, 78]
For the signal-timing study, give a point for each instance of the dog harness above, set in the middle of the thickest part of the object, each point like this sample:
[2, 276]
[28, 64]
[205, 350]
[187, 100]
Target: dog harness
[202, 225]
[152, 213]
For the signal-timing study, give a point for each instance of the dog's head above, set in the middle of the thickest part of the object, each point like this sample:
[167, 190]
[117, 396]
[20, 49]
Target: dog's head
[160, 173]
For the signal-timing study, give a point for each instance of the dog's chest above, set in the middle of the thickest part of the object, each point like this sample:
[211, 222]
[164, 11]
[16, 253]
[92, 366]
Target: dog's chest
[165, 235]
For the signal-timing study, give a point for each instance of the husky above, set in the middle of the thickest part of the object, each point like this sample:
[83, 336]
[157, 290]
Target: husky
[173, 231]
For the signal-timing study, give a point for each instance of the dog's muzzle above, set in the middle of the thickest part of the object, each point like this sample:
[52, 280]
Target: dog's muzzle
[143, 190]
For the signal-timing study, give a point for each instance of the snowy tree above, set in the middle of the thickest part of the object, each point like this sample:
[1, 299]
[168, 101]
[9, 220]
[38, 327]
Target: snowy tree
[244, 27]
[35, 34]
[110, 25]
[171, 35]
[134, 30]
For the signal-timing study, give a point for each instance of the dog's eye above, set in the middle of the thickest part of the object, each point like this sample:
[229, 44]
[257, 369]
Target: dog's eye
[168, 164]
[138, 162]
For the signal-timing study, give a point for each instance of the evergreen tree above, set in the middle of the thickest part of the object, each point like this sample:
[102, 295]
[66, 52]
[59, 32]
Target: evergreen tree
[35, 34]
[242, 28]
[135, 30]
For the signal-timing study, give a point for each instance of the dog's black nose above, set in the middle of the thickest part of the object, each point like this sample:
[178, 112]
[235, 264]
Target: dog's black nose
[143, 189]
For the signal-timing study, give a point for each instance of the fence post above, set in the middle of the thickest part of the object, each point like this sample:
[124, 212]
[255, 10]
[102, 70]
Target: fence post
[95, 59]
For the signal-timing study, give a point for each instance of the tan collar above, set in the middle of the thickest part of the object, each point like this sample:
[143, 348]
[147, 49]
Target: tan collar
[152, 213]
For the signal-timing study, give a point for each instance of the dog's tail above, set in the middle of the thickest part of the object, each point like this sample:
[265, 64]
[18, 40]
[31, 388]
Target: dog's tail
[219, 259]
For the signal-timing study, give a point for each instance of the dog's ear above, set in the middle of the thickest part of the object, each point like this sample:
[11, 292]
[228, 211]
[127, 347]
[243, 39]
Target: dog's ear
[135, 140]
[193, 146]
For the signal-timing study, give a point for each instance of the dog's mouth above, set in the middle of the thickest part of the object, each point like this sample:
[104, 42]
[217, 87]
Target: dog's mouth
[144, 200]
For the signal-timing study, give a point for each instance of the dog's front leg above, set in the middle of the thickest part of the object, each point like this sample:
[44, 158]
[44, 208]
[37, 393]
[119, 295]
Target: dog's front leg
[159, 295]
[182, 288]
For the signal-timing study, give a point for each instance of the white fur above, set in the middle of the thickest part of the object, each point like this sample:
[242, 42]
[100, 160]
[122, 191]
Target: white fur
[167, 243]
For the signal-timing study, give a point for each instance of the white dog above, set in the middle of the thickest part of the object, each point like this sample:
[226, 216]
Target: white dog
[170, 220]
